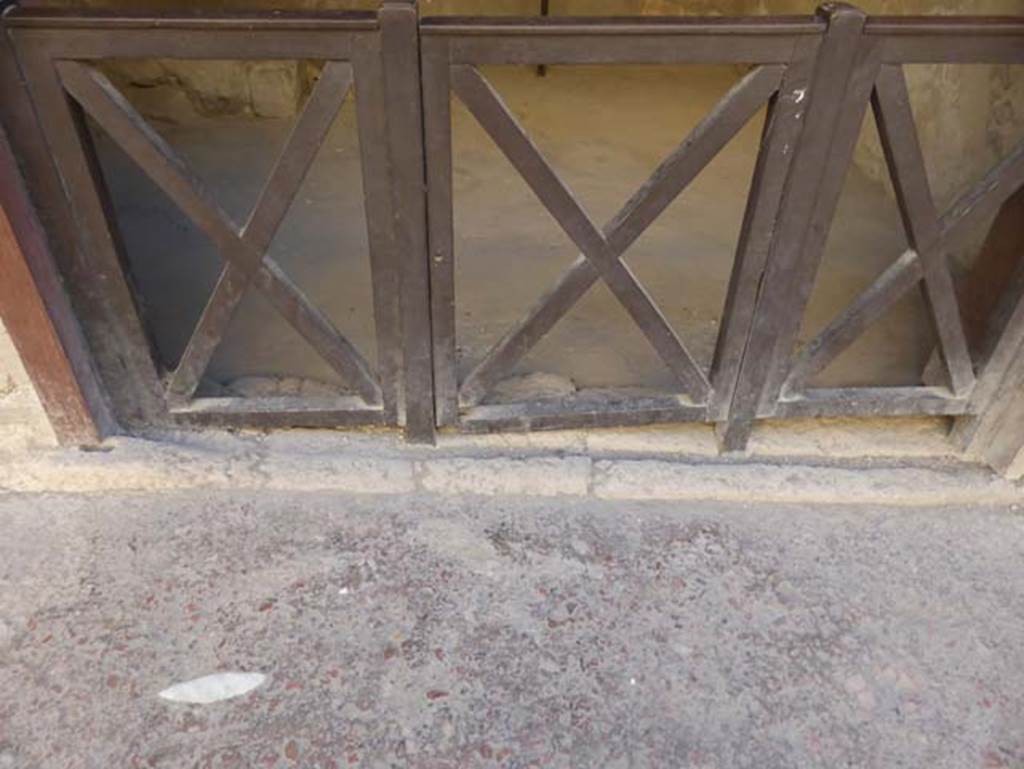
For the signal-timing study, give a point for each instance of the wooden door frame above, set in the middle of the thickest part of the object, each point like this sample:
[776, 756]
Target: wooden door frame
[34, 306]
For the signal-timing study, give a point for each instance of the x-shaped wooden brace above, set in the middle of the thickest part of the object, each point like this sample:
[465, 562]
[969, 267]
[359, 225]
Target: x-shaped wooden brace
[931, 237]
[244, 249]
[602, 249]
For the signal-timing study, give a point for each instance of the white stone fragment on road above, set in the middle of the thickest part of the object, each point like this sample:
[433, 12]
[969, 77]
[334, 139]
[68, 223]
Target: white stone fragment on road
[213, 688]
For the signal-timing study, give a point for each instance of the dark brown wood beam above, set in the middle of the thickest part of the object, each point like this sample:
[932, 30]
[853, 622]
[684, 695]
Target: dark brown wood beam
[34, 306]
[38, 317]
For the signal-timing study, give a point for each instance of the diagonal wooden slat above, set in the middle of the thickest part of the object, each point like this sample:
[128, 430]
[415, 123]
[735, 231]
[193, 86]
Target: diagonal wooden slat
[317, 329]
[108, 107]
[840, 333]
[671, 177]
[282, 185]
[297, 155]
[699, 148]
[985, 198]
[981, 201]
[490, 111]
[101, 99]
[242, 250]
[539, 320]
[231, 285]
[897, 130]
[492, 114]
[601, 251]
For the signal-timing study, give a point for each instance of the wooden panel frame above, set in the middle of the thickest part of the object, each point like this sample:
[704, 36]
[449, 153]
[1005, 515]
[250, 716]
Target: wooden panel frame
[773, 383]
[54, 49]
[33, 302]
[783, 52]
[816, 74]
[400, 42]
[37, 315]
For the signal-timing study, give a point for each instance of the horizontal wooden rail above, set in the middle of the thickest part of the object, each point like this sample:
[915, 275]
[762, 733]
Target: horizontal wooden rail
[53, 18]
[875, 401]
[465, 26]
[594, 409]
[942, 26]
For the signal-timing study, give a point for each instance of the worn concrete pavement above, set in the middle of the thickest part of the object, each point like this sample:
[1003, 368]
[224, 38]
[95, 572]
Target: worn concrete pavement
[465, 631]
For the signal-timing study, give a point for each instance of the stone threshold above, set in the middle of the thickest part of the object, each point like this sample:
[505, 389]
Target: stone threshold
[909, 464]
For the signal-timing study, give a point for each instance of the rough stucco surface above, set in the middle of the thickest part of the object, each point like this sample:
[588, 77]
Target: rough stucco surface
[22, 421]
[425, 633]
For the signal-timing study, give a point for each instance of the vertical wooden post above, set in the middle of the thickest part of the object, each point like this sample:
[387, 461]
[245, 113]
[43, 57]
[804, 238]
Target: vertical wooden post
[438, 144]
[783, 124]
[845, 72]
[386, 274]
[399, 25]
[33, 305]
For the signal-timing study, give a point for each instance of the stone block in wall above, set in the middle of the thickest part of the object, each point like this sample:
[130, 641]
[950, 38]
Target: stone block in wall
[23, 423]
[164, 102]
[274, 88]
[179, 90]
[142, 73]
[214, 87]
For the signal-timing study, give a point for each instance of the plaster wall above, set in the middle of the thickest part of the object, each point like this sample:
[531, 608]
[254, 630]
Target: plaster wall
[22, 421]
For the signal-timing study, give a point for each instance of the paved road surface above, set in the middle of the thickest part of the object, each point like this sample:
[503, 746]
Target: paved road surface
[432, 632]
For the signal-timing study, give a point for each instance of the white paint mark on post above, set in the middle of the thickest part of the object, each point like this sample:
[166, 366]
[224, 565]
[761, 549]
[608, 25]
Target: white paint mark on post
[213, 688]
[799, 95]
